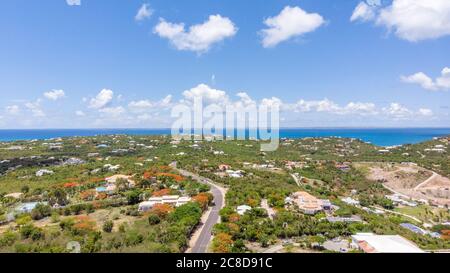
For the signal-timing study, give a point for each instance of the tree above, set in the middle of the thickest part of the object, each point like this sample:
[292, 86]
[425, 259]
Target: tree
[108, 226]
[59, 197]
[122, 184]
[133, 197]
[222, 243]
[203, 199]
[162, 210]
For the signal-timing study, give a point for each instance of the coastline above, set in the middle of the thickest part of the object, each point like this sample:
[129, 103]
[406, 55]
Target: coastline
[378, 136]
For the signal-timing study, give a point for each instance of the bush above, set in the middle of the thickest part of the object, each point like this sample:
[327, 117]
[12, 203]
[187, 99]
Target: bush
[8, 238]
[30, 231]
[153, 219]
[67, 224]
[133, 238]
[108, 226]
[41, 211]
[25, 189]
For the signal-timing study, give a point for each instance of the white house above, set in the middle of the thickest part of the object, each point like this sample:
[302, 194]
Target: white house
[372, 243]
[173, 200]
[241, 210]
[43, 172]
[350, 201]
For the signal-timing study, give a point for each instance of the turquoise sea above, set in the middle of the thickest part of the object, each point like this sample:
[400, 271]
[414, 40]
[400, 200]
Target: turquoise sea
[377, 136]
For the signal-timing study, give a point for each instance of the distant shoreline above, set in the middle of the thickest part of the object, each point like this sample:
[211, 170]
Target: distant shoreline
[377, 136]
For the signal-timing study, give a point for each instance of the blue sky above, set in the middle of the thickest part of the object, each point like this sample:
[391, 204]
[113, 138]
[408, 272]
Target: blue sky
[98, 64]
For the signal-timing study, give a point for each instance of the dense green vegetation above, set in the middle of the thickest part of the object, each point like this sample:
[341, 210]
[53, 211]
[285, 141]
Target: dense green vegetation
[72, 210]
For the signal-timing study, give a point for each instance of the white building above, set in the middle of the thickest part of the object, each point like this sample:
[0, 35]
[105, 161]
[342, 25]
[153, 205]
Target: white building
[372, 243]
[43, 172]
[173, 200]
[241, 210]
[350, 201]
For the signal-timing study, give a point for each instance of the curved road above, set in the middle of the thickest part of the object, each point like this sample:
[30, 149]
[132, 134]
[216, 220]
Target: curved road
[201, 245]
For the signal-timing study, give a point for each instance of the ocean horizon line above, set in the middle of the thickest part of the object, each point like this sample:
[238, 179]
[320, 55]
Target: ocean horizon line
[281, 128]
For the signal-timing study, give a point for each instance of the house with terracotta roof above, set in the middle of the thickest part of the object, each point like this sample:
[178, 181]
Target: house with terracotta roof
[307, 203]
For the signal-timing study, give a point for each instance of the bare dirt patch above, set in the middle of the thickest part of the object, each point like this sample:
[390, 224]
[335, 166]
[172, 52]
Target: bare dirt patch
[411, 180]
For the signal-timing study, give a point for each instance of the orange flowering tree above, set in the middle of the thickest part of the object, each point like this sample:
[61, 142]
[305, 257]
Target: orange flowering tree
[88, 195]
[203, 199]
[222, 243]
[161, 192]
[162, 210]
[83, 225]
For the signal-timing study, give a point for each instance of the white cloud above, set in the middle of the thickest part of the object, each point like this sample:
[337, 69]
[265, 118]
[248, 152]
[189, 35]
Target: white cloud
[198, 38]
[144, 12]
[35, 108]
[363, 12]
[80, 113]
[54, 94]
[425, 112]
[112, 112]
[13, 109]
[328, 106]
[208, 94]
[142, 106]
[166, 101]
[291, 22]
[426, 82]
[73, 2]
[411, 20]
[397, 111]
[103, 99]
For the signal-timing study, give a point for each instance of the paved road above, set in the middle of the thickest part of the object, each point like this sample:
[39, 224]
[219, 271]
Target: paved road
[201, 246]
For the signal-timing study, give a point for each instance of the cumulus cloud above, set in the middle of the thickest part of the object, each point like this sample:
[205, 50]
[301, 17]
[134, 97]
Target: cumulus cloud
[112, 112]
[142, 106]
[102, 99]
[35, 108]
[54, 94]
[328, 106]
[411, 20]
[144, 12]
[12, 109]
[291, 22]
[199, 38]
[397, 111]
[73, 2]
[440, 83]
[209, 95]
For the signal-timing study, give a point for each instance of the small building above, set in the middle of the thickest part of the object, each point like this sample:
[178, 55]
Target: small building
[241, 210]
[43, 172]
[413, 228]
[113, 179]
[372, 243]
[350, 201]
[173, 200]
